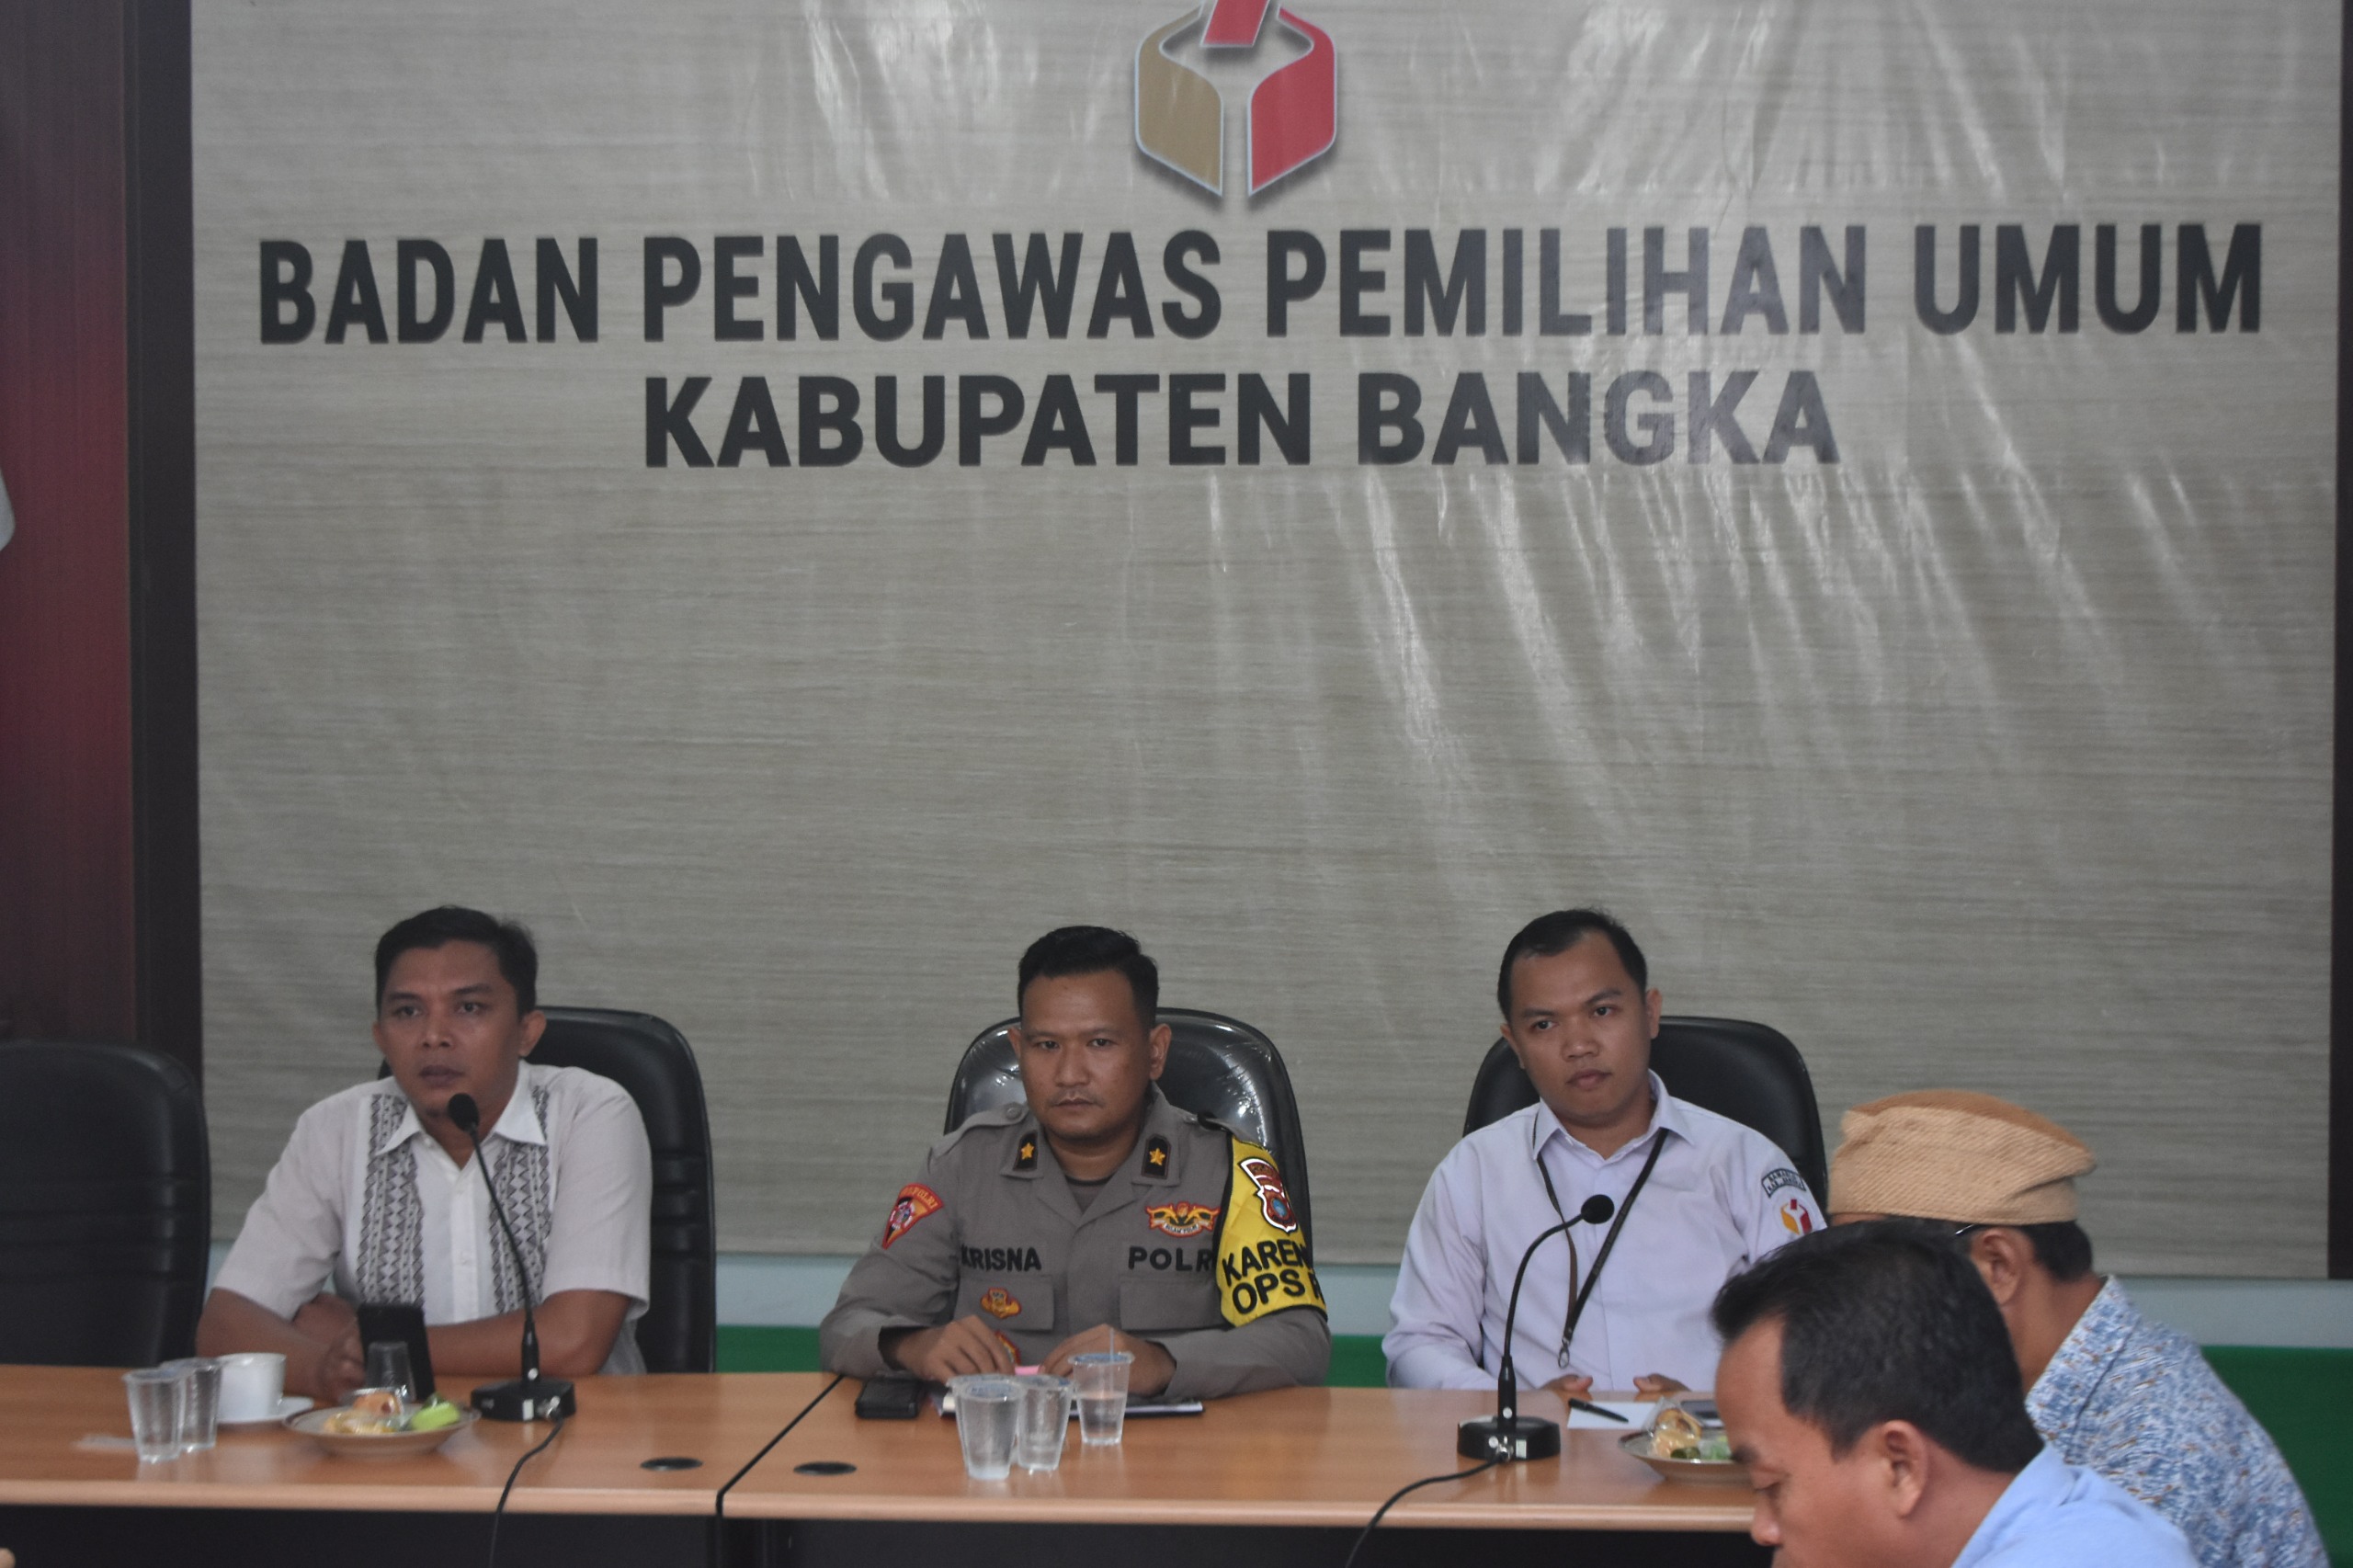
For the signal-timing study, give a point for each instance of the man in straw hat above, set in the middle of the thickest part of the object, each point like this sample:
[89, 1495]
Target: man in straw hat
[2110, 1389]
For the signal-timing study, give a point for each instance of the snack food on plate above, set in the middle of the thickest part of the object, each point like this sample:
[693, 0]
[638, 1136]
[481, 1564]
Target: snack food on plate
[375, 1412]
[1678, 1435]
[441, 1413]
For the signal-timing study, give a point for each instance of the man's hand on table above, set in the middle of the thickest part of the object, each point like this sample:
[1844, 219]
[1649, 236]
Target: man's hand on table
[321, 1342]
[325, 1316]
[1148, 1375]
[1650, 1385]
[339, 1364]
[951, 1351]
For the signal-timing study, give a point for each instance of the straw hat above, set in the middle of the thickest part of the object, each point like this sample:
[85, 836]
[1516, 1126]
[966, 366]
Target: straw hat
[1952, 1154]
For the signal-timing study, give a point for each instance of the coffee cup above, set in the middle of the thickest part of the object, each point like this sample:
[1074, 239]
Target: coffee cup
[252, 1382]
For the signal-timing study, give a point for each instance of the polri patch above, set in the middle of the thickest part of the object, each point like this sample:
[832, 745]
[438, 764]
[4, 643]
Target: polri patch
[1181, 1219]
[1274, 1199]
[998, 1302]
[915, 1200]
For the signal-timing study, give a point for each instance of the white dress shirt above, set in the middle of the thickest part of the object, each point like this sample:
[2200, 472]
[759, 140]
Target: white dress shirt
[304, 1231]
[1721, 1198]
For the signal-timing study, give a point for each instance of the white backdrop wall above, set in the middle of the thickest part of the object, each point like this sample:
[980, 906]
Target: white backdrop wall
[1976, 733]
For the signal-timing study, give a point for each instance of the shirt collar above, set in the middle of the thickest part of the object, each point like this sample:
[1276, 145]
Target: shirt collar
[519, 1123]
[1163, 1123]
[1667, 1114]
[2042, 1485]
[2066, 1385]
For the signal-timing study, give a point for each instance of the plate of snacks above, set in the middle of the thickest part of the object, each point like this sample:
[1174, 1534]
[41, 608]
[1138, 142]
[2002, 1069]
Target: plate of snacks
[378, 1424]
[1679, 1446]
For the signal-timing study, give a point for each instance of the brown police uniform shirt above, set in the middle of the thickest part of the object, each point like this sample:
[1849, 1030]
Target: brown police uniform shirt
[1192, 1244]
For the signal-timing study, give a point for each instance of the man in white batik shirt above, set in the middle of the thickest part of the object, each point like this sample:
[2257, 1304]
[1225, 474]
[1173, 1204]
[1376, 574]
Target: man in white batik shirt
[378, 1197]
[1701, 1196]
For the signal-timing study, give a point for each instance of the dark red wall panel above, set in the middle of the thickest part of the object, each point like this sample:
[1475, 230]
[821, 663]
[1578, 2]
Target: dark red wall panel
[67, 913]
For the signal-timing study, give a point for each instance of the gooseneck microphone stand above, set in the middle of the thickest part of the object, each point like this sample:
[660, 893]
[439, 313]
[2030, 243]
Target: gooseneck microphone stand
[1507, 1435]
[532, 1397]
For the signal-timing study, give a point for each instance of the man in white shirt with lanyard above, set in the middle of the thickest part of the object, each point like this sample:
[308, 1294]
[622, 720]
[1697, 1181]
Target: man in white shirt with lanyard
[378, 1197]
[1696, 1196]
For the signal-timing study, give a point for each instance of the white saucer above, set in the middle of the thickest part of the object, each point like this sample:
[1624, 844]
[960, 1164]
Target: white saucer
[293, 1404]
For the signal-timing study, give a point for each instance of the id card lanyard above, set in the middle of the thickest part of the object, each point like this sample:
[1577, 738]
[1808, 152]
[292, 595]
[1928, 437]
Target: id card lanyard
[1577, 1298]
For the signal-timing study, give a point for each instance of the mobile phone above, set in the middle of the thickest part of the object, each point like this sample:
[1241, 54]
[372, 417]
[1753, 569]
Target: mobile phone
[890, 1399]
[403, 1323]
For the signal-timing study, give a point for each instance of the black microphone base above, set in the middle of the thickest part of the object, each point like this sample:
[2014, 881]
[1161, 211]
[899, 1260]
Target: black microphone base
[548, 1398]
[1522, 1438]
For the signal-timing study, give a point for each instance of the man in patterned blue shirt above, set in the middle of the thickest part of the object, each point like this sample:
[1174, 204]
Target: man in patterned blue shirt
[2108, 1389]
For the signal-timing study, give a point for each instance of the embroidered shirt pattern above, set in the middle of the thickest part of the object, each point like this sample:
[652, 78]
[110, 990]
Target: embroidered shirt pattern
[2136, 1402]
[392, 1223]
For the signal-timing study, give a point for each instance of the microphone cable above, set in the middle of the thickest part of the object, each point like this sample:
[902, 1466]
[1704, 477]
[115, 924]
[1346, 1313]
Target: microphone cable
[529, 1455]
[1381, 1513]
[718, 1504]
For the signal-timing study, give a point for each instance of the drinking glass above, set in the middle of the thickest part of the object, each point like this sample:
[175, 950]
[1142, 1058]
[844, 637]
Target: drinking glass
[988, 1411]
[388, 1368]
[1102, 1376]
[200, 1414]
[1045, 1420]
[156, 1395]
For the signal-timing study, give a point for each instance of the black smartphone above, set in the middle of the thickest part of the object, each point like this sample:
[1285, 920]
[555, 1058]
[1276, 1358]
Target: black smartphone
[403, 1324]
[890, 1399]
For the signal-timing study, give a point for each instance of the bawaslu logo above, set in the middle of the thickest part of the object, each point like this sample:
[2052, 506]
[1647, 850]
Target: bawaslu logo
[1295, 112]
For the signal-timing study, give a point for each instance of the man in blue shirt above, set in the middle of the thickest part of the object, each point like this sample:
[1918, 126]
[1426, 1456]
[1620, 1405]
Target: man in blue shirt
[2110, 1389]
[1870, 1388]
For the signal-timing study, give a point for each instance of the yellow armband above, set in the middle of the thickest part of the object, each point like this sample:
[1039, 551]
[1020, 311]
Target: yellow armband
[1261, 1246]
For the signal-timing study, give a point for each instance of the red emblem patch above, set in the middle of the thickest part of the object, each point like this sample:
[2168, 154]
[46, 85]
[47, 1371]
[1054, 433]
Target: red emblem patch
[1182, 1218]
[915, 1200]
[1274, 1200]
[998, 1303]
[1795, 1219]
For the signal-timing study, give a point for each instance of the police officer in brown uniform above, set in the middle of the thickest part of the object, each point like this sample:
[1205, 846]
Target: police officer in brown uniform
[1096, 1216]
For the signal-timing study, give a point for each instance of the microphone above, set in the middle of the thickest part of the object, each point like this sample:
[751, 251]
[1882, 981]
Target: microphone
[530, 1397]
[1508, 1434]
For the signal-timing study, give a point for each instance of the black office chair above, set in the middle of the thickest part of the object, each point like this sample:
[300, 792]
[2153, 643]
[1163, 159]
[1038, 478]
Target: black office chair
[106, 1205]
[1217, 1067]
[679, 1332]
[1747, 1071]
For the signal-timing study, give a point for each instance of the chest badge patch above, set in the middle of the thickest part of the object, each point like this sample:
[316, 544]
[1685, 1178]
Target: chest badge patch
[1181, 1219]
[1795, 1217]
[1274, 1199]
[915, 1200]
[998, 1302]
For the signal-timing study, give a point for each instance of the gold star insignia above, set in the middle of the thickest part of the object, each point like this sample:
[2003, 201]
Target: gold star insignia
[1029, 1149]
[1158, 1158]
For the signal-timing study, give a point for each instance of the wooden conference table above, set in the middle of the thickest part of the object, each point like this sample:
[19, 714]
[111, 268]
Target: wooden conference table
[1285, 1476]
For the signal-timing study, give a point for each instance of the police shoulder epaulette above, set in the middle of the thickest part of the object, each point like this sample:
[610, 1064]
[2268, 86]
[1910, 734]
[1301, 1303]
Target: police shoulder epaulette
[995, 1117]
[1203, 1118]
